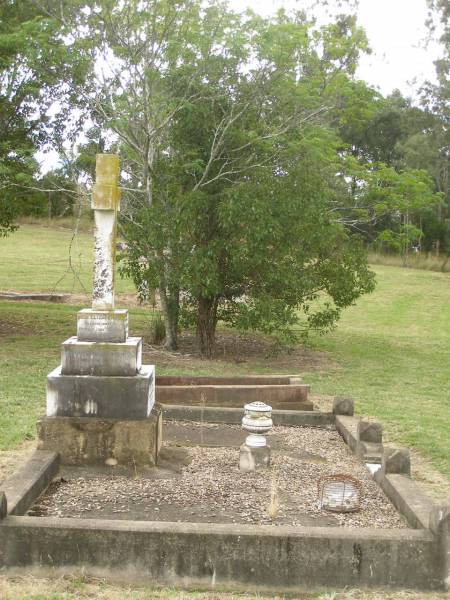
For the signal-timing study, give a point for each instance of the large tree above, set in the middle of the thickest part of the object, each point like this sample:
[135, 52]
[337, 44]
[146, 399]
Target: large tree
[241, 202]
[237, 165]
[37, 65]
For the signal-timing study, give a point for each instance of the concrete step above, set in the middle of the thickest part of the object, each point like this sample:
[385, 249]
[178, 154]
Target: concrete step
[235, 395]
[97, 396]
[101, 358]
[234, 380]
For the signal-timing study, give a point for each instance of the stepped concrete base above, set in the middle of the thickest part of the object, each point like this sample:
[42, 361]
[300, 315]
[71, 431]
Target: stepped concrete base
[102, 325]
[102, 397]
[231, 380]
[92, 441]
[294, 397]
[101, 358]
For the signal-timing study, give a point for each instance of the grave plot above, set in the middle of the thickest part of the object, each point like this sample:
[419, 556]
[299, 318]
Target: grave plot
[198, 480]
[196, 519]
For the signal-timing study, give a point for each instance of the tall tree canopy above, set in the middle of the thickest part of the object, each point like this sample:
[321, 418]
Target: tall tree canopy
[224, 124]
[37, 68]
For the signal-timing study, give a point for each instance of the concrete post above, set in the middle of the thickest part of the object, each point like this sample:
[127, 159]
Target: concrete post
[370, 432]
[396, 460]
[440, 526]
[105, 202]
[3, 506]
[343, 406]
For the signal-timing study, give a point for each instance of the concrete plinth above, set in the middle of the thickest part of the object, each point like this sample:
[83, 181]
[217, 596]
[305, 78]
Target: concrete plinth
[101, 358]
[343, 406]
[103, 397]
[93, 441]
[102, 325]
[396, 460]
[370, 432]
[253, 459]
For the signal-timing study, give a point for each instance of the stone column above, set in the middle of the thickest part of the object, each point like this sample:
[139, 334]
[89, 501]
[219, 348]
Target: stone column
[105, 202]
[102, 323]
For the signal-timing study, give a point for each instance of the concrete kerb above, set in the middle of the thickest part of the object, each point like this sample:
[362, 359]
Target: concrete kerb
[440, 526]
[223, 554]
[26, 484]
[408, 498]
[233, 416]
[402, 491]
[3, 505]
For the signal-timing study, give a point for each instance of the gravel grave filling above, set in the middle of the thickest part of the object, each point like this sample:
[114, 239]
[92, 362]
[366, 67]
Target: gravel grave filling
[204, 484]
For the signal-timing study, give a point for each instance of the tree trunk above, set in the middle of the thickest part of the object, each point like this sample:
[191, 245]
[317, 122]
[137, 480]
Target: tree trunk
[206, 325]
[170, 304]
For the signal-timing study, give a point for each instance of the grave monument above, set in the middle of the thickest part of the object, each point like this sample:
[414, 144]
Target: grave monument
[101, 399]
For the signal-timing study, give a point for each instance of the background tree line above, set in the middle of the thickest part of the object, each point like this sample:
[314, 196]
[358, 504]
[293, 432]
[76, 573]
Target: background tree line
[256, 168]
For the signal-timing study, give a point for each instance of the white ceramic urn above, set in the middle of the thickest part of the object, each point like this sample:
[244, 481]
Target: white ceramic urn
[257, 420]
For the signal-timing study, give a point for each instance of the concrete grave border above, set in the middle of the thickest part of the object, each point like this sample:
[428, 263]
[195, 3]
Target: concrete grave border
[235, 555]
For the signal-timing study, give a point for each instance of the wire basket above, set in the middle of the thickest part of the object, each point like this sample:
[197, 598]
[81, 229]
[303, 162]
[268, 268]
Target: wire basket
[339, 493]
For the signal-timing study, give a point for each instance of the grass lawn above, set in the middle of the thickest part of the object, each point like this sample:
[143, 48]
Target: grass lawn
[393, 349]
[81, 588]
[49, 259]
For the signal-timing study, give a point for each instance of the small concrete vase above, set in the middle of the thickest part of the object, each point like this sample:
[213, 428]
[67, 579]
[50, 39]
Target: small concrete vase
[257, 420]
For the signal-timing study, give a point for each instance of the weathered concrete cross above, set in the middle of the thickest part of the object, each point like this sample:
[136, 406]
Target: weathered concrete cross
[105, 202]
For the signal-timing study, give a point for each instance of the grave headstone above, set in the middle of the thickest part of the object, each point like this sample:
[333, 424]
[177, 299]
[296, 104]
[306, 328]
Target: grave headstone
[101, 375]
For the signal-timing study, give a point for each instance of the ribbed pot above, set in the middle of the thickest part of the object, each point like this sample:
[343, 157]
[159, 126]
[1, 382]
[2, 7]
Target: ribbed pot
[257, 420]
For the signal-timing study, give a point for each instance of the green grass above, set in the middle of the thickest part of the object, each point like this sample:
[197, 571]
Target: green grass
[392, 349]
[49, 259]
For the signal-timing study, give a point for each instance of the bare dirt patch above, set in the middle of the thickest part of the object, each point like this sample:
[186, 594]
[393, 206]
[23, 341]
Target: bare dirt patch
[9, 328]
[204, 484]
[122, 300]
[11, 460]
[239, 349]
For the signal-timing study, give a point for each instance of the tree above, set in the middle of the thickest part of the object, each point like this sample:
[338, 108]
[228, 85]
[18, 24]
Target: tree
[36, 62]
[236, 145]
[406, 196]
[436, 98]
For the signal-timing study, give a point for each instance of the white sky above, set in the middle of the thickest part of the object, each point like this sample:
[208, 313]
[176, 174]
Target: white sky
[396, 32]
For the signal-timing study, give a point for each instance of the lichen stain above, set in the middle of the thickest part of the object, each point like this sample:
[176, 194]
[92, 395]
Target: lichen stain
[357, 559]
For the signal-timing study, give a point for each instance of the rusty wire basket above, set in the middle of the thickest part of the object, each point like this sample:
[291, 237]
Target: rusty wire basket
[339, 493]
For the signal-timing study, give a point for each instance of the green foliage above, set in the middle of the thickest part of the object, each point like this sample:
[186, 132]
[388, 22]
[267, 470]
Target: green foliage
[236, 219]
[157, 329]
[37, 64]
[252, 159]
[400, 160]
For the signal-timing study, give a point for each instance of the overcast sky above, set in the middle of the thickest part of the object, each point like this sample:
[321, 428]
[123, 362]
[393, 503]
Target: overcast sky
[396, 31]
